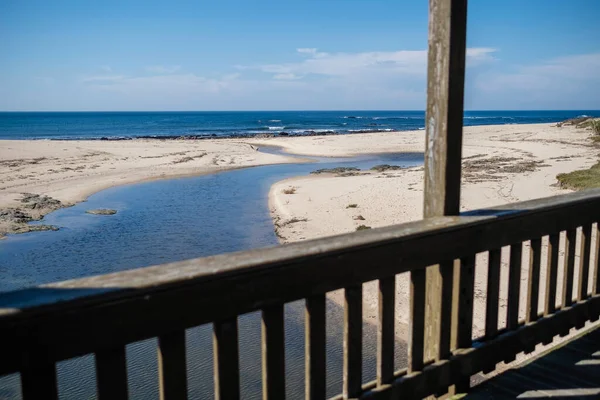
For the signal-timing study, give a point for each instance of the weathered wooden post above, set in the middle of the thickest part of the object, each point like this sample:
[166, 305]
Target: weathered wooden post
[434, 329]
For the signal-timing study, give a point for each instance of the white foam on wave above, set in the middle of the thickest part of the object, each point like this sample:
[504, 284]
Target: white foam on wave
[275, 128]
[274, 120]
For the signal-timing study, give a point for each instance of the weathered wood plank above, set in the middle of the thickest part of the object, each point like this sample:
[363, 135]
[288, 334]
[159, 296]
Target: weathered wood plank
[533, 285]
[551, 279]
[352, 342]
[443, 127]
[596, 273]
[552, 274]
[273, 353]
[514, 285]
[570, 245]
[111, 374]
[492, 298]
[444, 341]
[172, 367]
[514, 291]
[226, 359]
[462, 319]
[315, 342]
[533, 280]
[584, 261]
[39, 383]
[444, 115]
[385, 330]
[139, 304]
[416, 321]
[493, 293]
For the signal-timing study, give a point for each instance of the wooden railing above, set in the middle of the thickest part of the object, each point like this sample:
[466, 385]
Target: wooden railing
[102, 314]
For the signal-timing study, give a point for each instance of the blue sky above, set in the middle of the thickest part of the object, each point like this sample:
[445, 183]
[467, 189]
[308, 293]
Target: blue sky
[289, 54]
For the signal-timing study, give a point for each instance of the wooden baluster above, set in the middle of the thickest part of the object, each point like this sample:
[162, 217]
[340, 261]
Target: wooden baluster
[533, 280]
[111, 374]
[493, 292]
[551, 279]
[596, 271]
[385, 330]
[514, 285]
[444, 338]
[514, 291]
[273, 353]
[570, 243]
[596, 275]
[568, 276]
[533, 287]
[584, 269]
[438, 310]
[584, 262]
[226, 359]
[352, 342]
[315, 341]
[493, 295]
[172, 368]
[416, 330]
[551, 275]
[39, 383]
[462, 312]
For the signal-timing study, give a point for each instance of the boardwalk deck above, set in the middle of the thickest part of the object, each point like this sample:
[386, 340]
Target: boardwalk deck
[569, 371]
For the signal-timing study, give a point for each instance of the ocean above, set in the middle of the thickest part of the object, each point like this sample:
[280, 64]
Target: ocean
[127, 125]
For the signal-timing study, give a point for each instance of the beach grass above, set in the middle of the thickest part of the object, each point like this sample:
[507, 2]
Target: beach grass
[581, 179]
[595, 125]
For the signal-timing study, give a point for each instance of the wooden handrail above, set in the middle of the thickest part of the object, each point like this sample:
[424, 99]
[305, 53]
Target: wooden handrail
[58, 321]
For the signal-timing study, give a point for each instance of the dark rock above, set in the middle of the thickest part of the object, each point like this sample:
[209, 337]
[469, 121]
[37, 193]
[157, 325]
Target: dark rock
[337, 170]
[35, 228]
[14, 215]
[386, 167]
[102, 211]
[36, 202]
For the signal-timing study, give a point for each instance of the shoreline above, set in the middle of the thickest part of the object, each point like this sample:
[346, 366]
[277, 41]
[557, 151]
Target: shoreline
[64, 173]
[69, 171]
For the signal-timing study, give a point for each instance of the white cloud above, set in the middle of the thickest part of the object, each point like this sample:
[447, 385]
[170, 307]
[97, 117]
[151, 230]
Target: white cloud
[106, 68]
[103, 78]
[361, 80]
[163, 69]
[406, 62]
[286, 77]
[307, 50]
[562, 82]
[160, 85]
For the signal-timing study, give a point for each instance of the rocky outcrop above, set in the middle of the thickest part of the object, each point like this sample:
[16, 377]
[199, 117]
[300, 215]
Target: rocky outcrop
[102, 211]
[33, 208]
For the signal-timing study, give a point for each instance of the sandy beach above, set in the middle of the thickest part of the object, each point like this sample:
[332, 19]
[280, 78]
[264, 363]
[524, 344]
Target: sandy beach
[68, 172]
[502, 164]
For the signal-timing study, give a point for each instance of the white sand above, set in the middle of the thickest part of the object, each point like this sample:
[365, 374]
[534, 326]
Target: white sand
[533, 155]
[397, 196]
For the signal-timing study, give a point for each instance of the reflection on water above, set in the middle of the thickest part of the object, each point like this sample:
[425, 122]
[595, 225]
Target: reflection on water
[171, 220]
